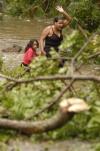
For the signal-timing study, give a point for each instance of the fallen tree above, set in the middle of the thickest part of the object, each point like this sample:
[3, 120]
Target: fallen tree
[67, 109]
[28, 95]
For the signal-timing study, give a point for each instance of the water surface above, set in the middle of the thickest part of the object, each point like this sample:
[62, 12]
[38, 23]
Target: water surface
[17, 31]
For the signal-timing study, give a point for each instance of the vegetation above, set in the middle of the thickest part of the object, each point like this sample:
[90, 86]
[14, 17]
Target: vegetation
[87, 12]
[22, 99]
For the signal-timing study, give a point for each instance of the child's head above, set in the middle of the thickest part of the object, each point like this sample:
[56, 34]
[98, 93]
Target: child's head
[33, 43]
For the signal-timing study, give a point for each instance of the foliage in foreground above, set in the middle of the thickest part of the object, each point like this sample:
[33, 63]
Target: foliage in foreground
[22, 101]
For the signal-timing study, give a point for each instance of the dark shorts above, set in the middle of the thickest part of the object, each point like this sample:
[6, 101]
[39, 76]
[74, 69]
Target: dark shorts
[47, 49]
[48, 55]
[23, 64]
[25, 67]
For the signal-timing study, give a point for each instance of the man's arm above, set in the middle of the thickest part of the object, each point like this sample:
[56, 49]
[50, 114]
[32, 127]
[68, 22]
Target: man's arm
[68, 17]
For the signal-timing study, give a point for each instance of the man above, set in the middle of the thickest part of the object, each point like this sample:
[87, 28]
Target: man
[51, 36]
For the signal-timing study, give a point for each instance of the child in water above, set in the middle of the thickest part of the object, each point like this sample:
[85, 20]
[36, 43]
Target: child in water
[30, 52]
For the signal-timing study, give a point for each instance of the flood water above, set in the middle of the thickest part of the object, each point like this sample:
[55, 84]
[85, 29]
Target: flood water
[16, 31]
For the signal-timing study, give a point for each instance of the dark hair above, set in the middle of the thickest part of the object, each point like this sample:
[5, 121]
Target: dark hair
[56, 19]
[30, 44]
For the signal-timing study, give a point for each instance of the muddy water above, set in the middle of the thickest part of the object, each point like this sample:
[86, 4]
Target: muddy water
[16, 31]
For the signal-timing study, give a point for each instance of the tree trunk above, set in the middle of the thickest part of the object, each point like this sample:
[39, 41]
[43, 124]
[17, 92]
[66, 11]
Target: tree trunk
[66, 111]
[29, 127]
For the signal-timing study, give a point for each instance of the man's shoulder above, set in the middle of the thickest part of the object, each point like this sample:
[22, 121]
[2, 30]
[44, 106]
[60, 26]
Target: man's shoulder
[48, 27]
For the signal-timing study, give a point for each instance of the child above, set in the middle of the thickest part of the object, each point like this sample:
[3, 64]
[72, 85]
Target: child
[30, 52]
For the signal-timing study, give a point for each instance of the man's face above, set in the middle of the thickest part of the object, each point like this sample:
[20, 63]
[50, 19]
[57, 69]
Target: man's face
[59, 24]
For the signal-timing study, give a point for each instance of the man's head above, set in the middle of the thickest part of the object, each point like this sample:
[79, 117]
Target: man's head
[59, 23]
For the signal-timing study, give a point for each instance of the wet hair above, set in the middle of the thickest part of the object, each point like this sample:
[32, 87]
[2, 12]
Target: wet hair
[30, 44]
[56, 19]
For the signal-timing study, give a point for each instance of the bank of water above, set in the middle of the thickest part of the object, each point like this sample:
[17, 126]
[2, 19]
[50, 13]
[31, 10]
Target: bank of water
[66, 145]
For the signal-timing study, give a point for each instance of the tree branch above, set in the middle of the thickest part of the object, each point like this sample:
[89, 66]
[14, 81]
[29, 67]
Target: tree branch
[62, 77]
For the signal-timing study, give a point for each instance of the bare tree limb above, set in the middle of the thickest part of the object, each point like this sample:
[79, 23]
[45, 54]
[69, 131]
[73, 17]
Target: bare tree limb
[94, 55]
[82, 31]
[55, 77]
[8, 78]
[82, 48]
[53, 101]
